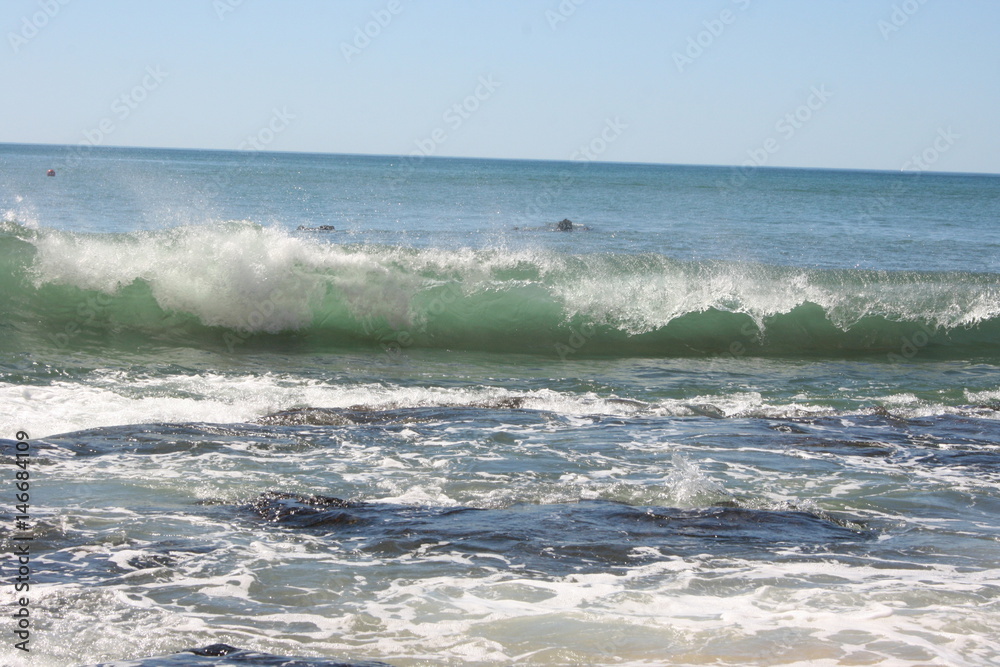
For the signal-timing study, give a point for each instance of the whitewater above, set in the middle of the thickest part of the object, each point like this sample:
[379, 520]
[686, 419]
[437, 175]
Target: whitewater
[352, 409]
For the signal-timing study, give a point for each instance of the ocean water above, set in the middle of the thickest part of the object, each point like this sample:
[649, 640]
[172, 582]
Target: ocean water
[735, 417]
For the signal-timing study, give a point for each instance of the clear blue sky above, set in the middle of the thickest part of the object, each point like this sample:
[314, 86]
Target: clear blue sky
[886, 79]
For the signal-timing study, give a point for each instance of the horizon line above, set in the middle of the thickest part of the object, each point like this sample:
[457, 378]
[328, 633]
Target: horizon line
[85, 147]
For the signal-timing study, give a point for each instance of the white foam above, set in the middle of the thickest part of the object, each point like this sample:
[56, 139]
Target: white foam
[222, 276]
[110, 398]
[113, 398]
[265, 279]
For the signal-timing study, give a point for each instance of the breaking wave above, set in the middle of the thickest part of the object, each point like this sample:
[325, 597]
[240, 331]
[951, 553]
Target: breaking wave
[234, 284]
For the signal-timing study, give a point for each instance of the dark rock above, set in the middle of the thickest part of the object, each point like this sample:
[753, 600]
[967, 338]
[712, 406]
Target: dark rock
[215, 650]
[224, 654]
[565, 225]
[362, 414]
[304, 511]
[589, 535]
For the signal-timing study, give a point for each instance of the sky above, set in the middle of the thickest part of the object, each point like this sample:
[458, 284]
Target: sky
[857, 84]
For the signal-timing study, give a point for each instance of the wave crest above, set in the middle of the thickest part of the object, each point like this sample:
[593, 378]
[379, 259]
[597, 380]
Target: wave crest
[232, 282]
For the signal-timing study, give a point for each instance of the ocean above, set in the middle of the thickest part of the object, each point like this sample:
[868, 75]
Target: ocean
[733, 417]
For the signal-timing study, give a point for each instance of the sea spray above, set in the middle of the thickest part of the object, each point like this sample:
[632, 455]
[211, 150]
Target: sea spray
[226, 284]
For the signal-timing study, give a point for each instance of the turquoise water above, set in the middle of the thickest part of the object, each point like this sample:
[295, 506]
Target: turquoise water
[741, 417]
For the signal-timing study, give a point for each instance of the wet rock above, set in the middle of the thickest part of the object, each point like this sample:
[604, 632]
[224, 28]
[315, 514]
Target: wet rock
[224, 654]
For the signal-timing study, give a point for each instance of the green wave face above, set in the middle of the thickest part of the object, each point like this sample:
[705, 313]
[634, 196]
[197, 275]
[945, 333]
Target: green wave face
[234, 284]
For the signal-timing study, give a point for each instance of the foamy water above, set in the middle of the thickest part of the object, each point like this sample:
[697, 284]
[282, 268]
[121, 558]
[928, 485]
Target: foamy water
[696, 430]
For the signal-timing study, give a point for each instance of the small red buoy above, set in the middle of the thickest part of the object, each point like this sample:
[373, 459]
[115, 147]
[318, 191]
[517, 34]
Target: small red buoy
[51, 172]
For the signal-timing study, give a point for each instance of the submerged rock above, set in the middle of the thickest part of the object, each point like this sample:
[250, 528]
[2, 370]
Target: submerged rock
[224, 654]
[560, 538]
[363, 414]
